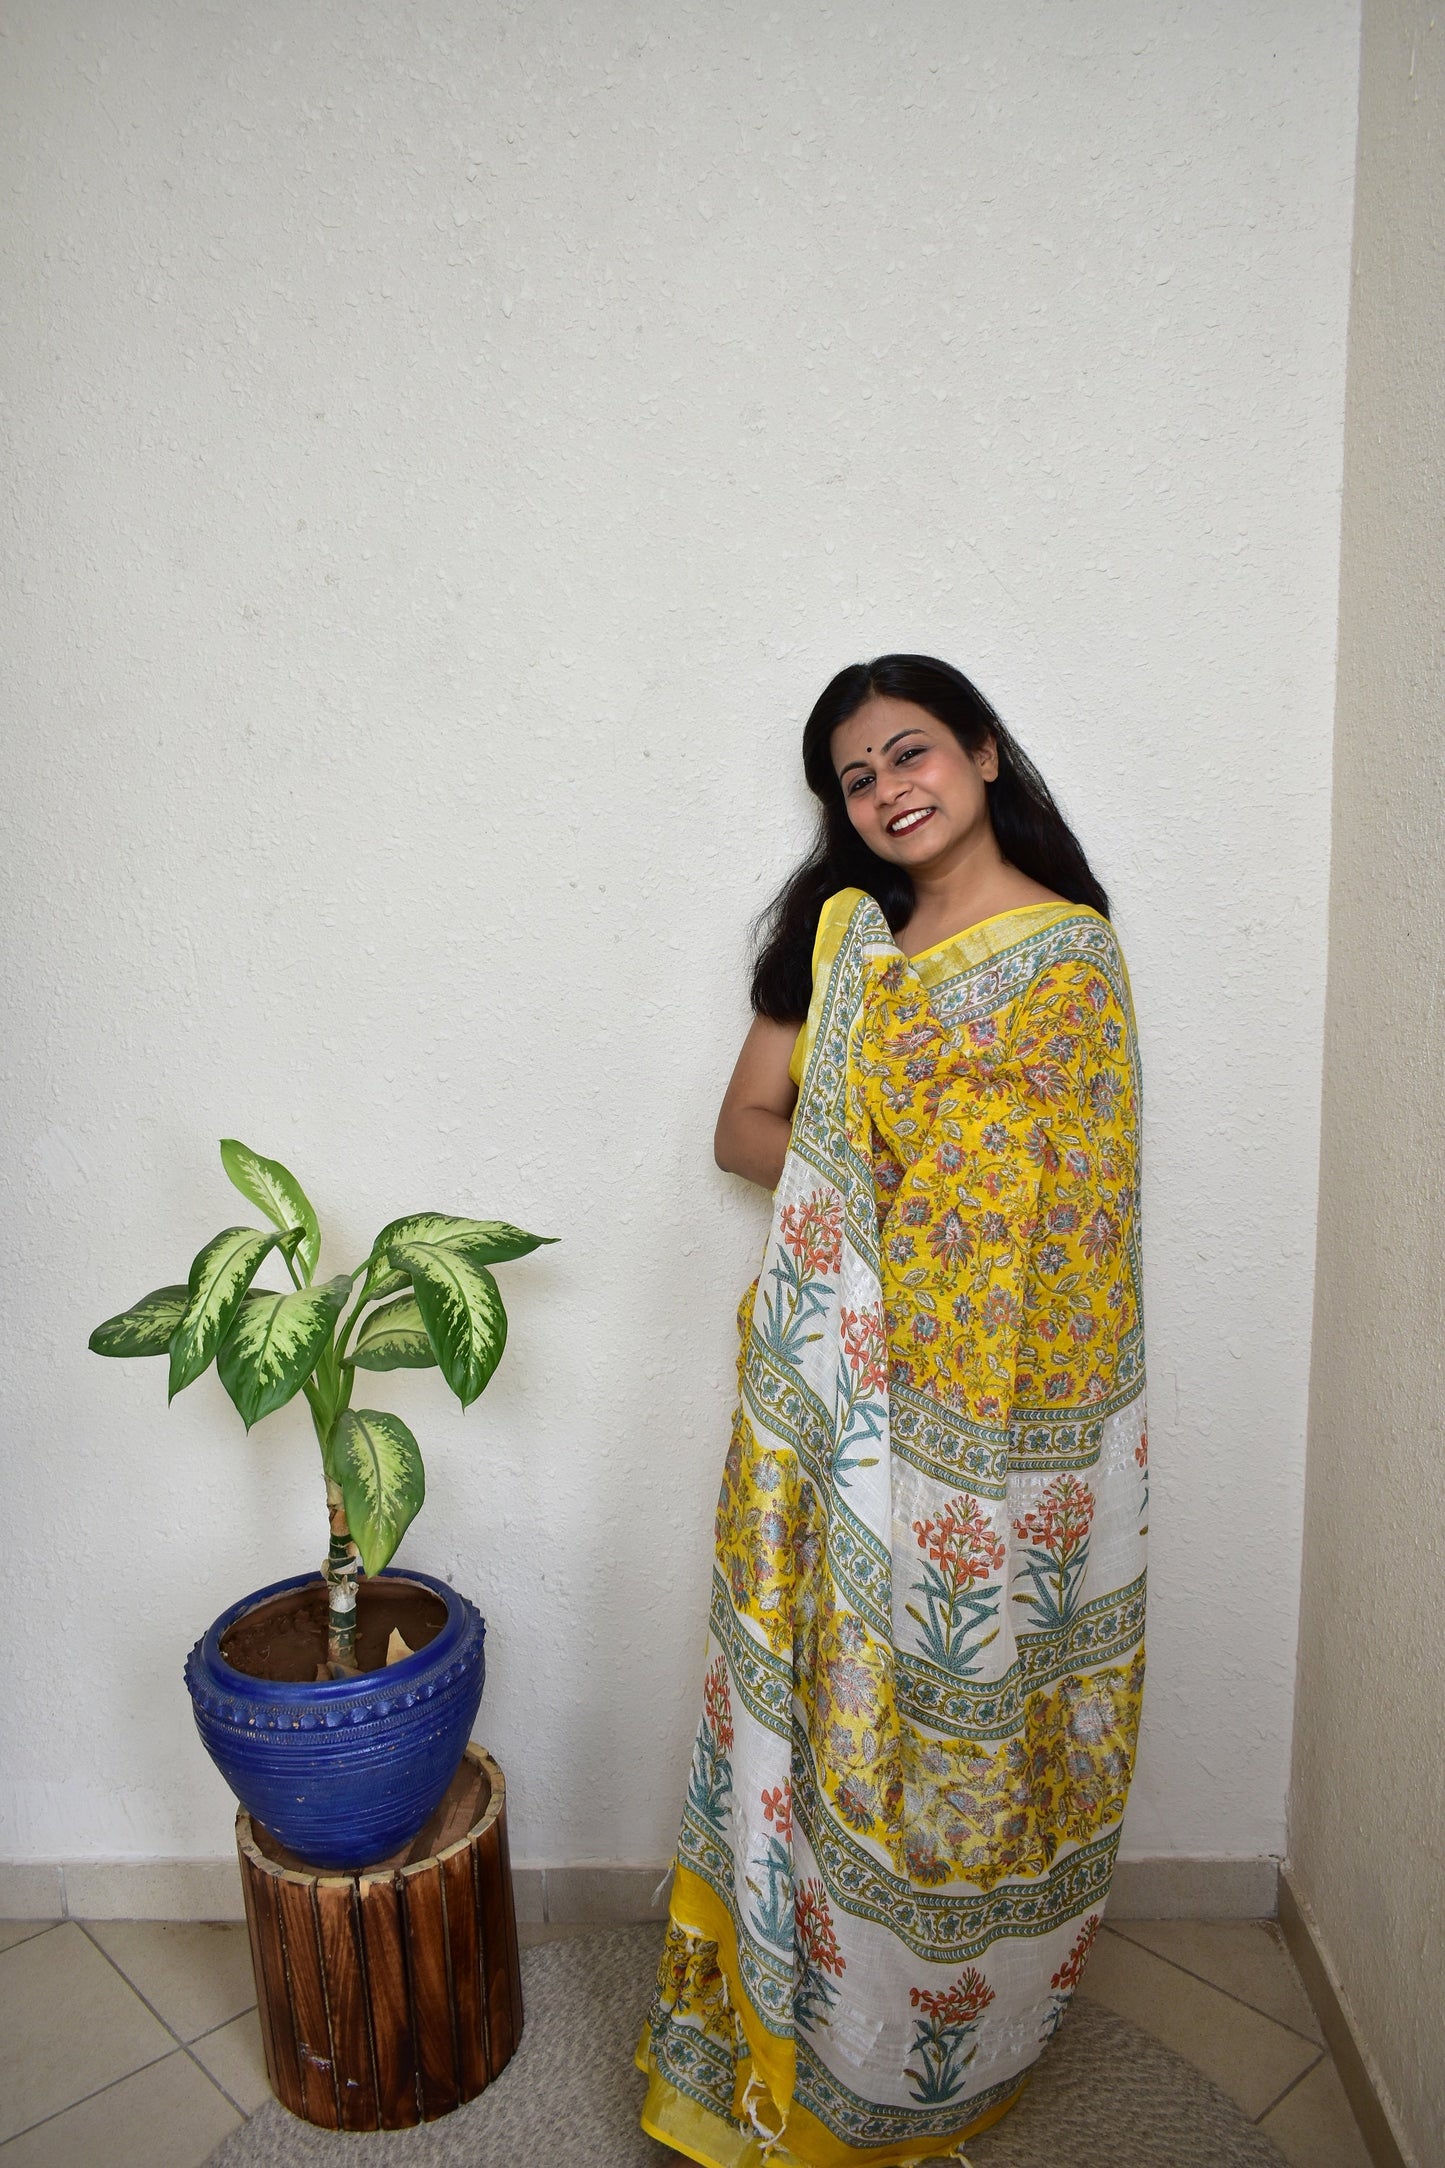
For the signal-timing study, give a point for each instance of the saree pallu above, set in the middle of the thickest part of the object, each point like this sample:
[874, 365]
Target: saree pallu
[925, 1653]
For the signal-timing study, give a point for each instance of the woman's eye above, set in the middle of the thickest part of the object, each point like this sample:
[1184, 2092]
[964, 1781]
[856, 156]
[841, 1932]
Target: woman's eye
[859, 782]
[909, 752]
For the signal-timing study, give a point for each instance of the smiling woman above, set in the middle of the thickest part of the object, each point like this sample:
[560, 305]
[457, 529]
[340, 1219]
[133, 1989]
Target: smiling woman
[925, 1655]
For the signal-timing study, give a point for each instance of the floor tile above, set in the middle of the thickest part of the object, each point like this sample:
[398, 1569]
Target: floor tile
[236, 2060]
[169, 2116]
[1313, 2126]
[195, 1976]
[68, 2026]
[13, 1931]
[1246, 1958]
[1247, 2056]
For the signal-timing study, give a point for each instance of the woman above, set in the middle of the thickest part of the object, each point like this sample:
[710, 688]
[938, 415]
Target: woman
[925, 1653]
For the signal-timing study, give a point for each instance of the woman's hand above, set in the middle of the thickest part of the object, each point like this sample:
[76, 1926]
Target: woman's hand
[757, 1109]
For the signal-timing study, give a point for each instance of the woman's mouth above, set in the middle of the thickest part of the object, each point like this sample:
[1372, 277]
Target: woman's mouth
[904, 824]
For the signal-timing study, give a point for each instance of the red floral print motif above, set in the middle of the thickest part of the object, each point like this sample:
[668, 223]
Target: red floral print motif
[938, 2063]
[1067, 1975]
[778, 1807]
[951, 1240]
[814, 1920]
[1066, 1979]
[1100, 1238]
[866, 1346]
[813, 1231]
[914, 1039]
[717, 1703]
[1061, 1521]
[1141, 1450]
[967, 1999]
[960, 1540]
[1041, 1149]
[816, 1956]
[1057, 1532]
[962, 1549]
[1046, 1080]
[1000, 1309]
[853, 1687]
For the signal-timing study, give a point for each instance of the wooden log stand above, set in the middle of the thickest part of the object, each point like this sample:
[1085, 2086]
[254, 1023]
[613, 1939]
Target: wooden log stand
[389, 1996]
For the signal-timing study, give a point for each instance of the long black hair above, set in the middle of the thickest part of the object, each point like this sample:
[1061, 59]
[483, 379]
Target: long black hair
[1032, 833]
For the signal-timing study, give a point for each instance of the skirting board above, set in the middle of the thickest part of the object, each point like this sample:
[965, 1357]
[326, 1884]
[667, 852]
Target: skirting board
[210, 1889]
[1362, 2090]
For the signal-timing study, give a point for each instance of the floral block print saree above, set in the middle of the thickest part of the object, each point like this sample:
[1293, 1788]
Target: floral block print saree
[925, 1651]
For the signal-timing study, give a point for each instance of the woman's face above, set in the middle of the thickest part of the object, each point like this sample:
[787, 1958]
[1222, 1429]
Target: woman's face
[912, 792]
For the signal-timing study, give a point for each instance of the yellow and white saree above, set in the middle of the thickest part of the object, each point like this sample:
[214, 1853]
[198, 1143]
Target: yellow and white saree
[925, 1652]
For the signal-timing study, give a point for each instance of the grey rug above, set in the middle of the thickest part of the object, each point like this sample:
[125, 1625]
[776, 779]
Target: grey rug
[1104, 2096]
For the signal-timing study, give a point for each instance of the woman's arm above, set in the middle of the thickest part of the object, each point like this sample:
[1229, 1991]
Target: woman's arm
[752, 1129]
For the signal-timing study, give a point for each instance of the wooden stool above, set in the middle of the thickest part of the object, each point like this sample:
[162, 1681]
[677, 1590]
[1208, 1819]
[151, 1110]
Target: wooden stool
[389, 1996]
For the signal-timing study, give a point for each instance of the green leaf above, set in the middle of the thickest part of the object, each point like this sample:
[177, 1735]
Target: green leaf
[220, 1275]
[492, 1242]
[461, 1307]
[274, 1190]
[488, 1242]
[377, 1463]
[274, 1344]
[381, 1277]
[145, 1328]
[394, 1339]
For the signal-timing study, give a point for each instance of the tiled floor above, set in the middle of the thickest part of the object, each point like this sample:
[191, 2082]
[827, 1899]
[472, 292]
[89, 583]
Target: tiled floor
[134, 2044]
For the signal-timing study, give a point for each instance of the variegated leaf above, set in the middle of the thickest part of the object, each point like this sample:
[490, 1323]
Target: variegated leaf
[377, 1463]
[492, 1242]
[145, 1328]
[394, 1339]
[461, 1307]
[274, 1190]
[274, 1343]
[220, 1275]
[487, 1242]
[382, 1277]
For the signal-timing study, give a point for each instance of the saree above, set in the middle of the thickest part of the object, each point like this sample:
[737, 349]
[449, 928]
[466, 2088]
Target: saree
[925, 1653]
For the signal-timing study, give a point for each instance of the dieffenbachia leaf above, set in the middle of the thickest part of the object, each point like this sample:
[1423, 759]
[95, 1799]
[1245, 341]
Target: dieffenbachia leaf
[487, 1242]
[220, 1275]
[376, 1462]
[461, 1307]
[394, 1338]
[274, 1344]
[145, 1328]
[274, 1190]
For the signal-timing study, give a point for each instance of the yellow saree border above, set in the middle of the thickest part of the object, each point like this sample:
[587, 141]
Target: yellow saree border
[960, 952]
[672, 2119]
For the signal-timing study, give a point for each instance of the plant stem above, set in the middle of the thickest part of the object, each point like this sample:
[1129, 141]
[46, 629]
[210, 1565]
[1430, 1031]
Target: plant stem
[363, 1273]
[340, 1568]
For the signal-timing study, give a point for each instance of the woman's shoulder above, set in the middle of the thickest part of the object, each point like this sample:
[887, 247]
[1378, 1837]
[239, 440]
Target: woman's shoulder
[836, 916]
[1079, 950]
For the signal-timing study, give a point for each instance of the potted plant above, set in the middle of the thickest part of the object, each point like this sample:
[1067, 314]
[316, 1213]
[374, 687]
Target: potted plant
[336, 1705]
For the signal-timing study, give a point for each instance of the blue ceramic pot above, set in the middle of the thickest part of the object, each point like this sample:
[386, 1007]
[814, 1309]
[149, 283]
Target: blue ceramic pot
[343, 1771]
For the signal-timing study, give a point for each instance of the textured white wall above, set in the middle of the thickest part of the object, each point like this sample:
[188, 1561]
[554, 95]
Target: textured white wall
[453, 445]
[1369, 1773]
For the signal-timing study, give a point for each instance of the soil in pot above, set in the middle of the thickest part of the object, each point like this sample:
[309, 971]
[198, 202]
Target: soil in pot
[286, 1637]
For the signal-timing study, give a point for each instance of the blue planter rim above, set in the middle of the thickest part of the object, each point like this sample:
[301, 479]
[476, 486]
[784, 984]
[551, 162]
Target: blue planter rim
[328, 1692]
